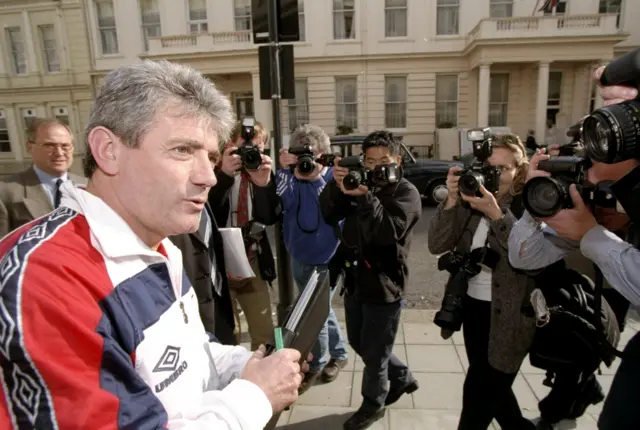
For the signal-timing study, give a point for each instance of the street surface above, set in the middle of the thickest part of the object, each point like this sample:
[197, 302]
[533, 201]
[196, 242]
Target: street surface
[426, 283]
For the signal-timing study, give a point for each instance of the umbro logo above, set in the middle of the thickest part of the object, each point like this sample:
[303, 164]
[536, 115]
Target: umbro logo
[169, 360]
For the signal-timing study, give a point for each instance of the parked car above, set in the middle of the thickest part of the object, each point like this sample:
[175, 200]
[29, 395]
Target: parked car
[429, 176]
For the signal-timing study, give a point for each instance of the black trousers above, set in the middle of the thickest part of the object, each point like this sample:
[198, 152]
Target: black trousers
[487, 392]
[620, 411]
[371, 330]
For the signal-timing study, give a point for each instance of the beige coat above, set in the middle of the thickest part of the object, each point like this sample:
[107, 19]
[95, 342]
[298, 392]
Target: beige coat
[22, 199]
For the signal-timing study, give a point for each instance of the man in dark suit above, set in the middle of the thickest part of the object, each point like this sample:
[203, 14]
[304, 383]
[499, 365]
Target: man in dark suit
[36, 191]
[203, 261]
[239, 197]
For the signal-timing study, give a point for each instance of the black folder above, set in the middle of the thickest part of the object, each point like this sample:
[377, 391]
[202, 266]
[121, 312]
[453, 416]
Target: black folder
[304, 322]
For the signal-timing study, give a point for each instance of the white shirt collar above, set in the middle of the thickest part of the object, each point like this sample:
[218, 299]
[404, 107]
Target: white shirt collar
[109, 231]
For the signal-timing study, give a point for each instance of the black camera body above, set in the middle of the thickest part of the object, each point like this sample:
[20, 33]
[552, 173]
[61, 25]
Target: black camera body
[479, 172]
[611, 134]
[359, 175]
[544, 197]
[249, 153]
[462, 267]
[253, 232]
[306, 160]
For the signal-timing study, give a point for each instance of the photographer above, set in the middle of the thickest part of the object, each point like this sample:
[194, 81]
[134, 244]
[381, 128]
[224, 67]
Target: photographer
[533, 245]
[491, 309]
[244, 194]
[378, 227]
[311, 242]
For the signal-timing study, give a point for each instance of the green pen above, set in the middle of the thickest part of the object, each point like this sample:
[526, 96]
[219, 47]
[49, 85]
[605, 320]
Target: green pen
[278, 335]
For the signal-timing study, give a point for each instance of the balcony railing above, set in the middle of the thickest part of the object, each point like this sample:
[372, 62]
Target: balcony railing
[544, 26]
[202, 42]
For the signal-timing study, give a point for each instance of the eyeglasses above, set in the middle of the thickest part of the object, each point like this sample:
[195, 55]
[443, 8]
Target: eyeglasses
[54, 147]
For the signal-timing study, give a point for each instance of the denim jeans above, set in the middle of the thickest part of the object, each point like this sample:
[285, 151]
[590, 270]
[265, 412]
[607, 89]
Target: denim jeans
[330, 342]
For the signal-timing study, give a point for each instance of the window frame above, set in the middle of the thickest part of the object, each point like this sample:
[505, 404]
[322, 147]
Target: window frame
[501, 5]
[342, 104]
[504, 104]
[440, 7]
[106, 29]
[247, 17]
[343, 13]
[294, 105]
[46, 51]
[442, 115]
[201, 24]
[149, 25]
[6, 147]
[389, 106]
[390, 11]
[17, 51]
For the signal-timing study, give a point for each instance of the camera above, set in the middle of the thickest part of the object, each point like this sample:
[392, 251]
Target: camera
[253, 232]
[306, 161]
[462, 267]
[358, 175]
[611, 133]
[544, 197]
[479, 172]
[249, 153]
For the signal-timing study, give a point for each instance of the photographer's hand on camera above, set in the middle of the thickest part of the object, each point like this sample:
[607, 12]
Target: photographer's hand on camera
[286, 159]
[613, 94]
[487, 204]
[231, 163]
[452, 187]
[262, 176]
[573, 223]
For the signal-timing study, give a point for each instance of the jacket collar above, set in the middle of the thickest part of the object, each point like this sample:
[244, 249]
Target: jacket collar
[109, 232]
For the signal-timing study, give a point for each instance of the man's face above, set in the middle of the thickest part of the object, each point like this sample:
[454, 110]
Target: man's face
[378, 156]
[52, 151]
[164, 183]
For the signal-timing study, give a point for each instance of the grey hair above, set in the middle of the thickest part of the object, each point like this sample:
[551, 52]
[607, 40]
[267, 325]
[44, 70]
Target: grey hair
[132, 95]
[313, 135]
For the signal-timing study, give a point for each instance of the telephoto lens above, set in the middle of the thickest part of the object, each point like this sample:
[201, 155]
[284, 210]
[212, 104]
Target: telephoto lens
[611, 133]
[305, 164]
[470, 183]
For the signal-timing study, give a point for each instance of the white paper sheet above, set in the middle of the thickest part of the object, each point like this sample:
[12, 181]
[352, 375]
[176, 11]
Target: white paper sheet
[235, 256]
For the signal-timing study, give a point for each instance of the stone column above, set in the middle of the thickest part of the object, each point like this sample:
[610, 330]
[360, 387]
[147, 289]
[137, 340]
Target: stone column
[541, 101]
[484, 83]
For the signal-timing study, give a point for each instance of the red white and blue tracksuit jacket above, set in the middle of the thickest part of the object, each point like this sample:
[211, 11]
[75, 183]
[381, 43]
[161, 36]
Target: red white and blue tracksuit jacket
[98, 331]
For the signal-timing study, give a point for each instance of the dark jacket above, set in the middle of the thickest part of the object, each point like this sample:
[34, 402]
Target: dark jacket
[266, 209]
[380, 225]
[511, 332]
[216, 311]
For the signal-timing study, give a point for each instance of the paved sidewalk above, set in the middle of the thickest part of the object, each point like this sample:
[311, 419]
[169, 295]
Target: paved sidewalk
[439, 365]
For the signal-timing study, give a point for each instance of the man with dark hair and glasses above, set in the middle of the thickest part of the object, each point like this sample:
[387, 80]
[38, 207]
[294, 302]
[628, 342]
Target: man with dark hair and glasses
[35, 192]
[379, 218]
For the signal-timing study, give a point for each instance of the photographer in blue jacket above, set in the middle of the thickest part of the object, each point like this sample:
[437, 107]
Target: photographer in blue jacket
[310, 241]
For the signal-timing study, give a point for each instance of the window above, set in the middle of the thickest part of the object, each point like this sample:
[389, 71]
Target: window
[395, 16]
[395, 101]
[244, 105]
[299, 107]
[553, 97]
[448, 17]
[557, 7]
[446, 101]
[611, 6]
[28, 116]
[5, 142]
[242, 14]
[301, 22]
[61, 114]
[49, 48]
[107, 27]
[343, 19]
[16, 49]
[347, 102]
[150, 20]
[498, 99]
[198, 16]
[501, 8]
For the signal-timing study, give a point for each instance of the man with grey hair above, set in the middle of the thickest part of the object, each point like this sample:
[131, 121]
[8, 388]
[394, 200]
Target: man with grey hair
[99, 325]
[309, 239]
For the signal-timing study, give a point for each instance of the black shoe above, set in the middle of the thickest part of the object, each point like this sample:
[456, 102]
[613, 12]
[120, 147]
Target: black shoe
[363, 419]
[592, 395]
[395, 395]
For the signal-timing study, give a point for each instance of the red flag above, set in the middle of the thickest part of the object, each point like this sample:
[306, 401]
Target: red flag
[548, 5]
